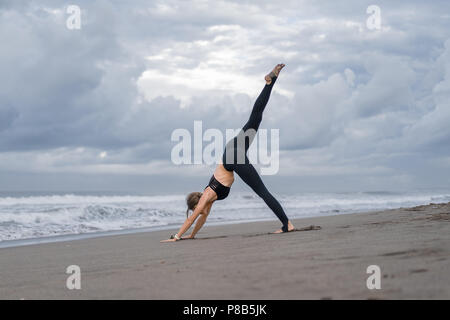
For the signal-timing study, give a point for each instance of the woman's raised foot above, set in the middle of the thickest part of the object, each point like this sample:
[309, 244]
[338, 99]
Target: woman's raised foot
[274, 73]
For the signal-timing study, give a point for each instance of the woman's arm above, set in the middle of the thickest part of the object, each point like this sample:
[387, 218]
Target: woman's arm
[201, 221]
[200, 208]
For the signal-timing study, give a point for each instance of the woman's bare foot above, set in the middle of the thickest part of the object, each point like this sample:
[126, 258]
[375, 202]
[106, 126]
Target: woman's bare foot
[290, 228]
[274, 73]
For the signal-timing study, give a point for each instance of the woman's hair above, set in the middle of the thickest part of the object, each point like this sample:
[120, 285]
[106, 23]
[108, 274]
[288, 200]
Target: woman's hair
[192, 200]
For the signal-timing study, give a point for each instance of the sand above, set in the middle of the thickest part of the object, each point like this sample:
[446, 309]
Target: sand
[411, 246]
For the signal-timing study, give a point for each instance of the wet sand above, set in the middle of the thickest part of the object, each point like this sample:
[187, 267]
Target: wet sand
[242, 261]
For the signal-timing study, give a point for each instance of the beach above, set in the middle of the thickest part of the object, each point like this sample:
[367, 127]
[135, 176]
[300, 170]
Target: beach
[411, 247]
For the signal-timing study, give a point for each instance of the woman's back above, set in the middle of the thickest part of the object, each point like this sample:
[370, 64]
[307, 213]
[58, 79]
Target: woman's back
[224, 176]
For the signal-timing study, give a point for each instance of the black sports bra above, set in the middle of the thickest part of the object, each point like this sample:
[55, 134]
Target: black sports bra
[221, 190]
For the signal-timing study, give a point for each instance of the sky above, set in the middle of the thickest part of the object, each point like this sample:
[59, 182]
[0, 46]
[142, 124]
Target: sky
[358, 108]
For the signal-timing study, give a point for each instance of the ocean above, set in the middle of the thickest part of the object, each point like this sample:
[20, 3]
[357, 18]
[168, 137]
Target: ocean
[35, 216]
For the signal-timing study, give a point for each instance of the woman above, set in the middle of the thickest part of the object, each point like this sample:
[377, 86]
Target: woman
[235, 160]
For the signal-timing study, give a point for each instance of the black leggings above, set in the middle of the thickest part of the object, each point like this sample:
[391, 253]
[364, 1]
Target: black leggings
[237, 148]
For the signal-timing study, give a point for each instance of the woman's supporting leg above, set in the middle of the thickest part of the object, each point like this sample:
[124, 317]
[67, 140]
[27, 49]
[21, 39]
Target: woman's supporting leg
[251, 177]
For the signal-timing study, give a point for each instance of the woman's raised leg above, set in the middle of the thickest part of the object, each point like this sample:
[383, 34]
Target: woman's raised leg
[236, 148]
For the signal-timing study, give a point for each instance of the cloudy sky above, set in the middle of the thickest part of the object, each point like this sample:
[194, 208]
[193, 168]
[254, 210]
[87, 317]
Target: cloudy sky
[358, 108]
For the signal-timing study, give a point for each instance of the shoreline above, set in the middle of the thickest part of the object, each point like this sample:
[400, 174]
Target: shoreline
[174, 227]
[89, 214]
[242, 261]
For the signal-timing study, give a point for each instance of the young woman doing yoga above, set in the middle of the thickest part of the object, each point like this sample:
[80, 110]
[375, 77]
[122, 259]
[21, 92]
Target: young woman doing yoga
[235, 160]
